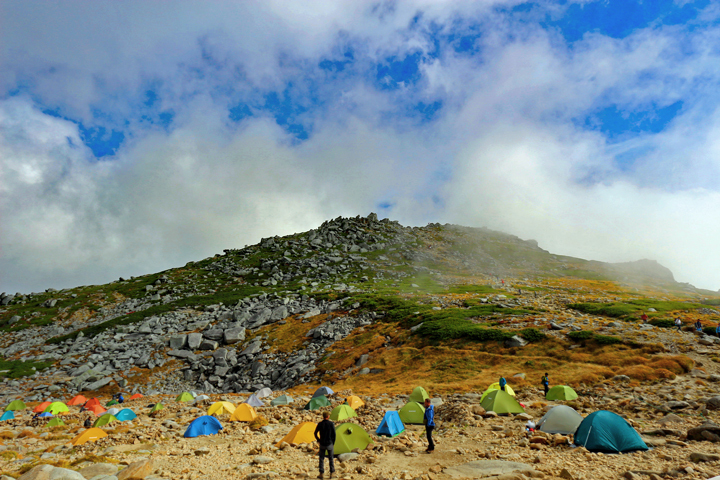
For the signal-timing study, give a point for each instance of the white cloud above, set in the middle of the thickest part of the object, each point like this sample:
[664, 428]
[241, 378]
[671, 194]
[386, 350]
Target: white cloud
[507, 150]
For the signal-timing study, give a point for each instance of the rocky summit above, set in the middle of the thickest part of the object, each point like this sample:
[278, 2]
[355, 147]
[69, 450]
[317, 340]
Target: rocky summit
[372, 308]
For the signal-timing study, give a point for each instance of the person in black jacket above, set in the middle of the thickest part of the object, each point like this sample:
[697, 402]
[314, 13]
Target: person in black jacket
[325, 436]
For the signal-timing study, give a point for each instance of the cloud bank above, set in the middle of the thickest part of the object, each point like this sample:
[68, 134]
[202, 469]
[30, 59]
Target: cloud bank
[236, 121]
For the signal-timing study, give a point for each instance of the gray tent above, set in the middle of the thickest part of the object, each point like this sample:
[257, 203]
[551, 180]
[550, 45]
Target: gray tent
[560, 419]
[254, 401]
[282, 400]
[263, 392]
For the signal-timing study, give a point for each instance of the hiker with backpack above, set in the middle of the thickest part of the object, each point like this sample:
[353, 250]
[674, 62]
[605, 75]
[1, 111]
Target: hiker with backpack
[698, 325]
[429, 422]
[546, 383]
[678, 324]
[502, 383]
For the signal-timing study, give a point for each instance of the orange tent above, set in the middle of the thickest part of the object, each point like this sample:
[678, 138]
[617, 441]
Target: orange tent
[77, 400]
[89, 435]
[96, 409]
[41, 408]
[136, 396]
[92, 402]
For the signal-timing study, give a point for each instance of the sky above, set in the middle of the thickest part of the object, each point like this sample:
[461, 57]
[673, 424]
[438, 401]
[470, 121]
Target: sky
[136, 136]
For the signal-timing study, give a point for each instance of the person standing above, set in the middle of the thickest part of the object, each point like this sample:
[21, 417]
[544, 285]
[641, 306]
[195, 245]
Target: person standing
[429, 422]
[698, 325]
[678, 323]
[644, 317]
[546, 383]
[325, 436]
[717, 330]
[502, 383]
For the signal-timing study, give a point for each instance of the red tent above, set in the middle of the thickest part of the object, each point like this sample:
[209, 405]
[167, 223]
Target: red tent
[136, 396]
[92, 402]
[41, 408]
[96, 409]
[77, 400]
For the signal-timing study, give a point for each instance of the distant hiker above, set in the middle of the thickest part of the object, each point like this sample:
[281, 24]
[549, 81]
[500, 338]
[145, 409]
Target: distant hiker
[644, 317]
[503, 282]
[502, 382]
[546, 383]
[429, 422]
[325, 436]
[698, 326]
[87, 423]
[120, 398]
[678, 324]
[717, 330]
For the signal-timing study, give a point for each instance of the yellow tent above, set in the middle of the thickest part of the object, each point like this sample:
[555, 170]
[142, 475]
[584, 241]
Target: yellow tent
[354, 402]
[56, 408]
[303, 433]
[220, 408]
[496, 386]
[89, 435]
[243, 413]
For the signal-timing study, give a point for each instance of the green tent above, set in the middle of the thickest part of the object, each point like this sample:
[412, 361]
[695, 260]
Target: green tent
[561, 392]
[104, 420]
[55, 422]
[57, 407]
[342, 412]
[317, 402]
[185, 397]
[349, 436]
[501, 403]
[418, 395]
[111, 403]
[15, 405]
[282, 400]
[608, 432]
[156, 407]
[412, 413]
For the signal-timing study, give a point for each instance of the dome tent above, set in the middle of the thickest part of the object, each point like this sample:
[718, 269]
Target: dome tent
[561, 392]
[205, 425]
[608, 432]
[76, 400]
[354, 401]
[15, 405]
[243, 413]
[221, 408]
[419, 394]
[349, 436]
[323, 391]
[302, 433]
[317, 402]
[126, 414]
[342, 412]
[263, 392]
[560, 419]
[89, 435]
[282, 400]
[501, 403]
[391, 425]
[412, 413]
[496, 386]
[9, 415]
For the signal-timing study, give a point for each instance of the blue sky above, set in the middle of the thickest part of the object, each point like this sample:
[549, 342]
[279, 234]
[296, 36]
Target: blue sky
[131, 144]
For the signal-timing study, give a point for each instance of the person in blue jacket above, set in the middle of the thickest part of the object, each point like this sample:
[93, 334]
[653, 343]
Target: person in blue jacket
[503, 382]
[717, 330]
[120, 398]
[429, 421]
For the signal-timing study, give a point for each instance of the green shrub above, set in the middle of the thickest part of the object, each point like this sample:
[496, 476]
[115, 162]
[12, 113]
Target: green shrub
[581, 335]
[664, 323]
[585, 336]
[532, 334]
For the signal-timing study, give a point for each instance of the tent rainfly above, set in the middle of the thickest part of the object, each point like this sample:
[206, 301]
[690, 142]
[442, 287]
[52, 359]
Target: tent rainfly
[303, 433]
[412, 413]
[419, 394]
[349, 436]
[391, 425]
[560, 419]
[205, 425]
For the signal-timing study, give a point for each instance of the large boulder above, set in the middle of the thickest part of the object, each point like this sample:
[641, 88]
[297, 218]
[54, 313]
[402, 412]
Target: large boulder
[194, 340]
[708, 431]
[234, 335]
[138, 470]
[99, 469]
[713, 403]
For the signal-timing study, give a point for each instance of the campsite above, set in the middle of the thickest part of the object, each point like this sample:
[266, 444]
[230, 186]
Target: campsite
[224, 436]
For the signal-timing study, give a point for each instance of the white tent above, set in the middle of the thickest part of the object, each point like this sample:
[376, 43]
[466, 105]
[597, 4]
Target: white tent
[113, 411]
[560, 419]
[254, 401]
[263, 392]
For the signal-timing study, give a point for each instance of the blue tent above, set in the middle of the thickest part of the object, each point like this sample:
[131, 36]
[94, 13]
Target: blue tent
[323, 391]
[46, 414]
[608, 432]
[205, 425]
[125, 414]
[9, 415]
[391, 425]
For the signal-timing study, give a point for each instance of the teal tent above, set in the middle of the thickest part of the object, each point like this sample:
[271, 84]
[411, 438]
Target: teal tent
[281, 400]
[125, 414]
[9, 415]
[317, 402]
[608, 432]
[391, 425]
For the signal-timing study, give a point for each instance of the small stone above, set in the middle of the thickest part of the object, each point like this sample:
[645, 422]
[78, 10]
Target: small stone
[262, 460]
[565, 473]
[138, 470]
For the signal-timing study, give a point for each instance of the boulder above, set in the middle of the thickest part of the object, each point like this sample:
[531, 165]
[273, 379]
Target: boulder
[515, 341]
[234, 335]
[177, 342]
[138, 470]
[697, 457]
[99, 469]
[194, 340]
[208, 345]
[707, 431]
[65, 474]
[41, 472]
[713, 403]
